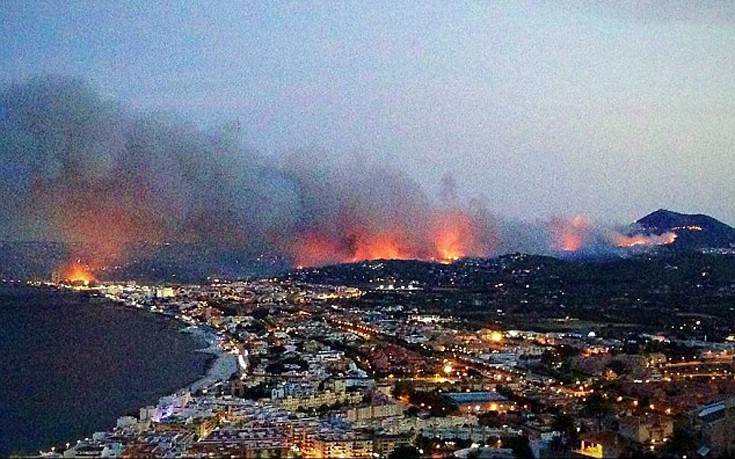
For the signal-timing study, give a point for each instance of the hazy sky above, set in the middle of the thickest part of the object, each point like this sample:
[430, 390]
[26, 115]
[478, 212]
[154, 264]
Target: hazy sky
[543, 108]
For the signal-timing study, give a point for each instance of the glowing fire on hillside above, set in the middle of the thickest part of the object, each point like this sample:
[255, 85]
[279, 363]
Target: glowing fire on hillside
[643, 240]
[314, 249]
[569, 235]
[379, 246]
[449, 235]
[77, 272]
[456, 234]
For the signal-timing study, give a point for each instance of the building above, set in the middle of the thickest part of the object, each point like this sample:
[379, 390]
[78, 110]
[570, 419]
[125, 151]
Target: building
[478, 402]
[250, 443]
[716, 424]
[603, 445]
[385, 444]
[318, 399]
[365, 415]
[653, 429]
[342, 444]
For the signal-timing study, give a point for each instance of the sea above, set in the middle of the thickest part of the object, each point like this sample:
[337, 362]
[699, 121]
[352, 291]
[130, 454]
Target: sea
[70, 366]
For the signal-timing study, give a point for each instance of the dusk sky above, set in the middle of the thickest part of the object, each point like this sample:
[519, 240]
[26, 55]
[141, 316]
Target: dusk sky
[541, 108]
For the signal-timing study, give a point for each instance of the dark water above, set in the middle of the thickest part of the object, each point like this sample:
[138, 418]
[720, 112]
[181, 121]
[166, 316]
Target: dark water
[70, 367]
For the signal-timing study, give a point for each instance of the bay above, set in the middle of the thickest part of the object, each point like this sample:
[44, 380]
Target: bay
[70, 366]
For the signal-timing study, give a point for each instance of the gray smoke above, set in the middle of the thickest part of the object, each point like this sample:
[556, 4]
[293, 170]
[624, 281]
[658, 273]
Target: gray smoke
[77, 167]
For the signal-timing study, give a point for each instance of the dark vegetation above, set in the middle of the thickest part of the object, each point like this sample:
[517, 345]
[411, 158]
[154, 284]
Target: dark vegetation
[612, 296]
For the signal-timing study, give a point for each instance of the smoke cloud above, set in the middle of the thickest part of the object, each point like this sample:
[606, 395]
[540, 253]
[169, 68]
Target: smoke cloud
[78, 168]
[81, 169]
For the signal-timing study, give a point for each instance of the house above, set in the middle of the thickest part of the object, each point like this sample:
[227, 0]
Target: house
[603, 444]
[716, 423]
[653, 429]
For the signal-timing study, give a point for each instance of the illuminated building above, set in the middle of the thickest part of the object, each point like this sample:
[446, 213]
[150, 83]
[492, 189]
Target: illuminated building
[478, 402]
[342, 444]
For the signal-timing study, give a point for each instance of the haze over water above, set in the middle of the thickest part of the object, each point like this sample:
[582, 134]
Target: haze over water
[70, 367]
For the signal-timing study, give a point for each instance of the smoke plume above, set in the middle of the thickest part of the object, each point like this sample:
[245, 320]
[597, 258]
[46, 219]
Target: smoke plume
[81, 169]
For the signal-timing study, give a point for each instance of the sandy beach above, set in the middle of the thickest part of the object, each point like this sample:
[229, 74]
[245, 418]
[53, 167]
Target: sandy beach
[220, 370]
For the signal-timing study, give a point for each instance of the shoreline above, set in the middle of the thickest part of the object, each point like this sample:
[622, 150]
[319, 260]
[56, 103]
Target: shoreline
[219, 368]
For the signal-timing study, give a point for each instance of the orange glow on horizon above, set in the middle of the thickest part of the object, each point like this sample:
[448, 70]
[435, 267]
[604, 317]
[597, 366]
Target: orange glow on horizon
[443, 234]
[314, 250]
[311, 250]
[450, 234]
[382, 246]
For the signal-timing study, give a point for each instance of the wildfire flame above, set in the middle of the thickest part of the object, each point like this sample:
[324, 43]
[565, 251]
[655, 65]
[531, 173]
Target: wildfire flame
[450, 234]
[621, 240]
[386, 246]
[455, 235]
[312, 250]
[569, 235]
[77, 273]
[316, 250]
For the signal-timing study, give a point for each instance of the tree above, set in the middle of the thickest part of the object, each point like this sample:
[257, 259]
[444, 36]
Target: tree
[260, 313]
[489, 419]
[405, 452]
[567, 426]
[412, 411]
[520, 446]
[618, 367]
[402, 387]
[683, 439]
[598, 406]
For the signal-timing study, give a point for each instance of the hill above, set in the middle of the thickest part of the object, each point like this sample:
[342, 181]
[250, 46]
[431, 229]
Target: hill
[693, 231]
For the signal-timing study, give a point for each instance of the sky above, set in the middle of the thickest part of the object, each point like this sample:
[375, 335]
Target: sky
[609, 110]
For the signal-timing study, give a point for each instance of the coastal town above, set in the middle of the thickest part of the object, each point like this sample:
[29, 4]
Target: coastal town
[310, 370]
[370, 230]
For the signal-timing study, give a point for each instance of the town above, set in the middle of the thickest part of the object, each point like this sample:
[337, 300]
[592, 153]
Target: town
[387, 362]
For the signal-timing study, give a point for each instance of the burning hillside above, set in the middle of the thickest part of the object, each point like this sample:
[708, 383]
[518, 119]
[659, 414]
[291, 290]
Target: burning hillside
[569, 235]
[451, 233]
[643, 240]
[108, 179]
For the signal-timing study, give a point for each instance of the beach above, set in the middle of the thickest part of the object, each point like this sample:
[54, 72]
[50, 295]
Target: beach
[221, 368]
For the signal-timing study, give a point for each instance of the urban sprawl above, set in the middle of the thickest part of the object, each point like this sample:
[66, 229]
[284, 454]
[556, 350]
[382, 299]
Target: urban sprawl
[315, 371]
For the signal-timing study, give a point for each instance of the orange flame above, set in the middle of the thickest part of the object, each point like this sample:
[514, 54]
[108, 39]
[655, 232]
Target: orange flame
[102, 220]
[312, 250]
[77, 273]
[455, 235]
[380, 246]
[569, 235]
[621, 240]
[450, 234]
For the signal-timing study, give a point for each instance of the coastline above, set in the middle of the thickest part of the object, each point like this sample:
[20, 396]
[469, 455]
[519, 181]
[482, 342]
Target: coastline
[219, 367]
